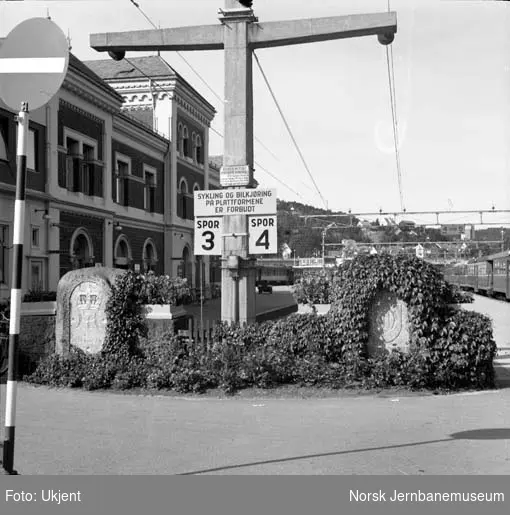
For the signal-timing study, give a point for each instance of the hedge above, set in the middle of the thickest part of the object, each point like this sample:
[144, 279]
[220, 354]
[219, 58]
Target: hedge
[449, 348]
[435, 346]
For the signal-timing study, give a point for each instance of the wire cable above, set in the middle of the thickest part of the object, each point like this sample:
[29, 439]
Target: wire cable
[198, 75]
[267, 171]
[395, 129]
[155, 83]
[393, 102]
[288, 129]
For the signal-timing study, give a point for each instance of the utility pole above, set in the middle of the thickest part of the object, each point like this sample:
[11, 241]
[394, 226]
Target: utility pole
[239, 35]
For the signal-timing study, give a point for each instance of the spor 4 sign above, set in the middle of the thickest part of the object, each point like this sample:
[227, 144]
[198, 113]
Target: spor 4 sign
[262, 235]
[208, 236]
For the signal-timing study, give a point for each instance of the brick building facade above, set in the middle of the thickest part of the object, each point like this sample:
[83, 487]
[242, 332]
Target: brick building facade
[112, 166]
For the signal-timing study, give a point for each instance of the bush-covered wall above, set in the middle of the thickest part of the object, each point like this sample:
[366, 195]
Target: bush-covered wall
[450, 348]
[441, 337]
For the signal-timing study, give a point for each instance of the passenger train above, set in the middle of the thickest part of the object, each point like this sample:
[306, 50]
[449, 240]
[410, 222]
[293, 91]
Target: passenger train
[488, 275]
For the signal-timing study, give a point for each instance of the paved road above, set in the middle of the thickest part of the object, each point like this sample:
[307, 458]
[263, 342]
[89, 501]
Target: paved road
[77, 432]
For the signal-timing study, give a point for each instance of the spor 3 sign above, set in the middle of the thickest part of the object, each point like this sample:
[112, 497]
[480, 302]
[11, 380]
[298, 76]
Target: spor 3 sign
[208, 236]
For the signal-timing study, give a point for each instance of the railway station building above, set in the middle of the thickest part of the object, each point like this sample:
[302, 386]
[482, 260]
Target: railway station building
[112, 163]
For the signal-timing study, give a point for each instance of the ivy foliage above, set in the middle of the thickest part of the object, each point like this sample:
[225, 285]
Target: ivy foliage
[449, 348]
[313, 287]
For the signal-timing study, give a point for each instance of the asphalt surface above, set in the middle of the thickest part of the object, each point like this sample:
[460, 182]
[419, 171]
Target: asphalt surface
[76, 432]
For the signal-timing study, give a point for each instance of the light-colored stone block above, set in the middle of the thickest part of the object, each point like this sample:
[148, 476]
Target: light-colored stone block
[81, 308]
[388, 324]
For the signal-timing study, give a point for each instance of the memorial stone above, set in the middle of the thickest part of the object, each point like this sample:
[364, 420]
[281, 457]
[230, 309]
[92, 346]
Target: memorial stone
[81, 309]
[388, 324]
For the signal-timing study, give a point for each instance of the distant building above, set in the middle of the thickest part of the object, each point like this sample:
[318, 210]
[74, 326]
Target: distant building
[407, 225]
[454, 230]
[469, 232]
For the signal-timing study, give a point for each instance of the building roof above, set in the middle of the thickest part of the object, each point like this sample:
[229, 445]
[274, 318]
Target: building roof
[153, 66]
[81, 67]
[149, 66]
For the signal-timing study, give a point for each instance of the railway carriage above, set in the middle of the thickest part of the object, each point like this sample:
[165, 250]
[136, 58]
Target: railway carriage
[275, 272]
[488, 275]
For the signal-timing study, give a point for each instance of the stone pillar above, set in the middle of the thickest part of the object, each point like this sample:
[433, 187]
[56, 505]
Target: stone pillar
[238, 286]
[108, 242]
[107, 160]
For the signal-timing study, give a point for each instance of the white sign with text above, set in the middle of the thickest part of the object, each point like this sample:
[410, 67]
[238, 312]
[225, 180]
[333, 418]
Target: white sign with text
[235, 202]
[263, 237]
[208, 236]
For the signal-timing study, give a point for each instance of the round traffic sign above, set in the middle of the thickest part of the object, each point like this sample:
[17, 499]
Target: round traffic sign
[33, 63]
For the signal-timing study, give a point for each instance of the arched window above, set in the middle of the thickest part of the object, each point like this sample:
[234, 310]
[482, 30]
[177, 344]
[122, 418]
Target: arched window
[82, 250]
[183, 199]
[122, 254]
[183, 187]
[185, 141]
[149, 255]
[199, 157]
[186, 262]
[193, 145]
[179, 139]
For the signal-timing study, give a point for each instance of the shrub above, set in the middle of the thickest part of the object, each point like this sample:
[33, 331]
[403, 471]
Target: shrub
[463, 351]
[449, 348]
[125, 322]
[57, 370]
[313, 288]
[427, 296]
[459, 296]
[163, 289]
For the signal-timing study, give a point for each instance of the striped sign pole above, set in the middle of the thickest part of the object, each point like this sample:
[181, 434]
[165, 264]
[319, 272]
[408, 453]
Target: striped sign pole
[16, 290]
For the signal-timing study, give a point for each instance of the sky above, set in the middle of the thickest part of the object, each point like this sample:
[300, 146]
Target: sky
[452, 85]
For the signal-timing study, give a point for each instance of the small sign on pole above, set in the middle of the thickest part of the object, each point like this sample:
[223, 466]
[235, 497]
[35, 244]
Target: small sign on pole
[231, 176]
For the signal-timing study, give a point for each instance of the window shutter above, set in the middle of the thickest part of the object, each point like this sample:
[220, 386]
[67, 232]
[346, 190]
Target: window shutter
[70, 173]
[191, 209]
[84, 179]
[77, 173]
[97, 174]
[125, 199]
[152, 199]
[62, 169]
[179, 205]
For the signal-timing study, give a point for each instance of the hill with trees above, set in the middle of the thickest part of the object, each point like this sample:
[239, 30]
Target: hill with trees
[304, 235]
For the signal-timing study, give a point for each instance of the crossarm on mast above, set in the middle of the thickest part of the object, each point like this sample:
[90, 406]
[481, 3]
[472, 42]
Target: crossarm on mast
[296, 32]
[205, 37]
